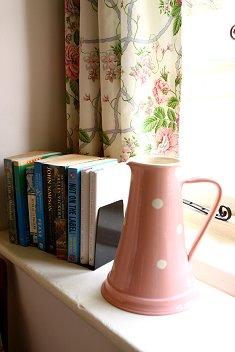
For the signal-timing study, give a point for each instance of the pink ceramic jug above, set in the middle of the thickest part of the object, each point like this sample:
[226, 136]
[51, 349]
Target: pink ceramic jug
[151, 273]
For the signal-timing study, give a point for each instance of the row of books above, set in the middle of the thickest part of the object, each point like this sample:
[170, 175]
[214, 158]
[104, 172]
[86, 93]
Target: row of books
[53, 200]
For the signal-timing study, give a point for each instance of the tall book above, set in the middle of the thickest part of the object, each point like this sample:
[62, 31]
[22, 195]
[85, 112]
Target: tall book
[107, 185]
[17, 203]
[10, 201]
[74, 205]
[31, 205]
[38, 184]
[85, 214]
[55, 185]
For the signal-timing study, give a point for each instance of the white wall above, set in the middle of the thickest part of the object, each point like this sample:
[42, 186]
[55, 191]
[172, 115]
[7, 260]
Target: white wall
[39, 322]
[32, 107]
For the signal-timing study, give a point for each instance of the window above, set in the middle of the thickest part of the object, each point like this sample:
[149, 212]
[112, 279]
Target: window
[207, 138]
[207, 133]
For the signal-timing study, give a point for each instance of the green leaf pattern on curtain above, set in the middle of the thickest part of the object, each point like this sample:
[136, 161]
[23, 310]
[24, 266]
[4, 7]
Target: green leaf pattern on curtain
[123, 76]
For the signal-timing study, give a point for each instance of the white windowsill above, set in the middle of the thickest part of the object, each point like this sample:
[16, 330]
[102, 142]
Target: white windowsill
[209, 325]
[214, 258]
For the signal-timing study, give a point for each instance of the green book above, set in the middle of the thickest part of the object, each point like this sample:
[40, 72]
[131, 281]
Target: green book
[17, 202]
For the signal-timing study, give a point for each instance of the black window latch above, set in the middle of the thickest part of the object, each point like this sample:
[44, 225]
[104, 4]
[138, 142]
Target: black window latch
[224, 214]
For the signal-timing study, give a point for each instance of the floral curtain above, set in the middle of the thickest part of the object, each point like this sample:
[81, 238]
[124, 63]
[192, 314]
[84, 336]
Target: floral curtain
[123, 76]
[201, 6]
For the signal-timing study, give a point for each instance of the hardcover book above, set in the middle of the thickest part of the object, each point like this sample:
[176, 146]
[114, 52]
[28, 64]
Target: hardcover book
[85, 213]
[38, 184]
[31, 205]
[107, 185]
[59, 188]
[74, 205]
[17, 203]
[55, 177]
[10, 201]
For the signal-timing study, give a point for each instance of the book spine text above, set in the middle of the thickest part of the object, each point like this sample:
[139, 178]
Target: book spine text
[10, 199]
[48, 209]
[31, 206]
[73, 216]
[60, 211]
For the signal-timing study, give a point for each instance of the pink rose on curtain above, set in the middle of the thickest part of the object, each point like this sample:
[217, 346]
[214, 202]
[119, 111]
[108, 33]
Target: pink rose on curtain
[72, 61]
[125, 154]
[71, 7]
[160, 91]
[128, 149]
[165, 142]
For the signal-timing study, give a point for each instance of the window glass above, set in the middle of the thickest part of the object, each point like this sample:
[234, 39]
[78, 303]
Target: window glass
[207, 130]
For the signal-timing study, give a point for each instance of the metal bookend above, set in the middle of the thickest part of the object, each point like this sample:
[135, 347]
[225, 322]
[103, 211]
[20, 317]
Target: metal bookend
[109, 226]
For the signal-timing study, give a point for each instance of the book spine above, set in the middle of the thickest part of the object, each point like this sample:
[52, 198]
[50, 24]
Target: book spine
[10, 200]
[22, 204]
[85, 210]
[31, 195]
[60, 210]
[21, 196]
[92, 218]
[48, 209]
[85, 207]
[38, 183]
[73, 215]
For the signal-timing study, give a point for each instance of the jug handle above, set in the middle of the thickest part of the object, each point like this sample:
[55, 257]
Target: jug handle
[210, 214]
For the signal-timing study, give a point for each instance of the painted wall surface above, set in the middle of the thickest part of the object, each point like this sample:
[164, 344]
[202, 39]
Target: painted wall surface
[32, 116]
[32, 104]
[39, 322]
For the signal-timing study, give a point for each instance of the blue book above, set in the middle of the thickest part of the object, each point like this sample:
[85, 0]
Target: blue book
[10, 193]
[38, 185]
[55, 184]
[74, 206]
[21, 199]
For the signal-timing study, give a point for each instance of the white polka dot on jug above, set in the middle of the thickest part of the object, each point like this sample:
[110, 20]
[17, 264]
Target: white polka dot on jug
[157, 203]
[161, 264]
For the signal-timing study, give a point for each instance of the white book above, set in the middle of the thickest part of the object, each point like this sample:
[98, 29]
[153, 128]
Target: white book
[85, 210]
[107, 185]
[85, 207]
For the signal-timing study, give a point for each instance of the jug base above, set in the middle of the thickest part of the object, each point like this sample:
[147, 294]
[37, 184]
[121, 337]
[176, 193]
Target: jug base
[149, 306]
